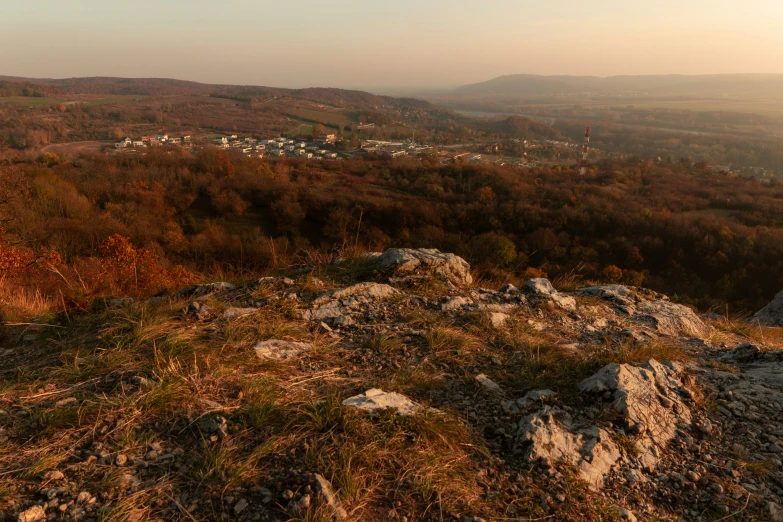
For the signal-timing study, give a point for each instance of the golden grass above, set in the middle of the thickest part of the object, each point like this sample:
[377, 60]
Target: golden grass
[738, 329]
[19, 303]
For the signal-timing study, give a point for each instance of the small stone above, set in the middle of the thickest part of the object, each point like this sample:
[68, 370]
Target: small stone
[83, 497]
[288, 494]
[325, 327]
[240, 506]
[625, 514]
[53, 475]
[33, 514]
[488, 384]
[498, 320]
[634, 476]
[303, 504]
[375, 400]
[278, 350]
[692, 476]
[774, 511]
[66, 402]
[324, 488]
[151, 455]
[120, 460]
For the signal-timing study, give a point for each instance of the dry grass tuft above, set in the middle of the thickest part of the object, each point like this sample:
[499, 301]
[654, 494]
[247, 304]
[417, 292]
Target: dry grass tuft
[18, 303]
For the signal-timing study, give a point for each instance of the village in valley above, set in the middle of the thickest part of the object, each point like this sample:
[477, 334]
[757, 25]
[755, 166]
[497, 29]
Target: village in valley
[325, 147]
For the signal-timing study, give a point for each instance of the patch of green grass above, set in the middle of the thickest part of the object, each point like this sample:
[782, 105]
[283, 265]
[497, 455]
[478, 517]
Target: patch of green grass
[626, 444]
[324, 117]
[260, 406]
[43, 463]
[224, 465]
[58, 418]
[440, 339]
[324, 415]
[427, 460]
[383, 343]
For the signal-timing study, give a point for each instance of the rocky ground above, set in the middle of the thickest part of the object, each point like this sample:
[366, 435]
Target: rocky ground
[389, 387]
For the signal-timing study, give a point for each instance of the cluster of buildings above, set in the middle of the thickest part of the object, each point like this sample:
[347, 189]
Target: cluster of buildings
[393, 149]
[152, 141]
[304, 148]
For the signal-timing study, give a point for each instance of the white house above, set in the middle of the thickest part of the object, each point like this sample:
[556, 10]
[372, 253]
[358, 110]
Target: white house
[326, 138]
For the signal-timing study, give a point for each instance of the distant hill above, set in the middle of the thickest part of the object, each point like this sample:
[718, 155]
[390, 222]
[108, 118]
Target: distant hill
[670, 85]
[169, 87]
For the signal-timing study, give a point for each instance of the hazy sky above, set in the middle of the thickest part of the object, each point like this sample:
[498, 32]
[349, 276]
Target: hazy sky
[381, 45]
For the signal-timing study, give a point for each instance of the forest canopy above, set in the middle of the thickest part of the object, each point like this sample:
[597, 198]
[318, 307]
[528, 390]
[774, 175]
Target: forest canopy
[707, 239]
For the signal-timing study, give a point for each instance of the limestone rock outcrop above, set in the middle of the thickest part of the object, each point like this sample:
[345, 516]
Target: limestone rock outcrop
[551, 435]
[650, 309]
[407, 262]
[375, 400]
[541, 290]
[345, 302]
[278, 350]
[649, 397]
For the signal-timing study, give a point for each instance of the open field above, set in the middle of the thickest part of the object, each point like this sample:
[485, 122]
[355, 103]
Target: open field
[323, 117]
[75, 148]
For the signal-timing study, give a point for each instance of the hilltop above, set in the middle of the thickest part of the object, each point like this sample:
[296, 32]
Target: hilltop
[669, 85]
[391, 387]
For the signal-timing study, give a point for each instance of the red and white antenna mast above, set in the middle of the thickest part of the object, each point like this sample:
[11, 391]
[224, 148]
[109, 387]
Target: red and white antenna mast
[585, 150]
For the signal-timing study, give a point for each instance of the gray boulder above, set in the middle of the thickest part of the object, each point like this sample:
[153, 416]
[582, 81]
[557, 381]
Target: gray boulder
[649, 398]
[651, 310]
[359, 298]
[278, 350]
[375, 400]
[770, 315]
[408, 262]
[541, 290]
[550, 435]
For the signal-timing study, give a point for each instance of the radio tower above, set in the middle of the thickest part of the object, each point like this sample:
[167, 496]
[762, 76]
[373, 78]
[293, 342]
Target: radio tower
[585, 150]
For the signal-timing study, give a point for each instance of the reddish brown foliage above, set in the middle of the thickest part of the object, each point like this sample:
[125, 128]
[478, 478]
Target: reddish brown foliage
[129, 270]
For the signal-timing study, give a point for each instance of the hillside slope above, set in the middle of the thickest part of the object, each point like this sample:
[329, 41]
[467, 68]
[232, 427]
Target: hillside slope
[388, 387]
